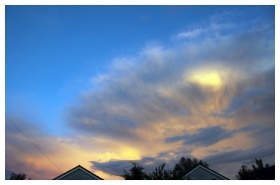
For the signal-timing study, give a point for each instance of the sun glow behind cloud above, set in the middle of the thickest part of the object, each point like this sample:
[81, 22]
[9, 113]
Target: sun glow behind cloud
[206, 78]
[211, 76]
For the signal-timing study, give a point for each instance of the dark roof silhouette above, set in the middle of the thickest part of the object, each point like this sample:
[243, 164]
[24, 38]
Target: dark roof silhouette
[208, 170]
[79, 167]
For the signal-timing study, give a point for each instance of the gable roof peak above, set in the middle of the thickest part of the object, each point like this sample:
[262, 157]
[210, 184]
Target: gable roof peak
[76, 168]
[206, 169]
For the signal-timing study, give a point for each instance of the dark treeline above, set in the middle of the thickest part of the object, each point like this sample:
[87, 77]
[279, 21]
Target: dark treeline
[259, 171]
[185, 165]
[18, 176]
[160, 173]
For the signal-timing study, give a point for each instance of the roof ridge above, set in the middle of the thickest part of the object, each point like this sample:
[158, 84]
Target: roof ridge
[212, 171]
[79, 166]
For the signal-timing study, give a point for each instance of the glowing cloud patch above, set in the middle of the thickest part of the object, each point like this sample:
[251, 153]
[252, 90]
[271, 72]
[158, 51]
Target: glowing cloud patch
[209, 78]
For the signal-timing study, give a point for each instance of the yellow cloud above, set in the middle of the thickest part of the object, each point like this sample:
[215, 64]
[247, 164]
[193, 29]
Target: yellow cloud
[207, 78]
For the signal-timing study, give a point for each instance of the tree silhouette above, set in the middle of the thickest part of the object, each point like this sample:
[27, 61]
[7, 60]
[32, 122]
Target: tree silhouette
[180, 169]
[161, 174]
[18, 176]
[257, 172]
[136, 173]
[244, 173]
[185, 165]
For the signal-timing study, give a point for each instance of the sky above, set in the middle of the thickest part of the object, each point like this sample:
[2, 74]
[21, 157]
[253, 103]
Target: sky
[101, 86]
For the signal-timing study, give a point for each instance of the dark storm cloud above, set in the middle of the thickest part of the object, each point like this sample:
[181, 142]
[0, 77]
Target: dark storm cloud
[203, 137]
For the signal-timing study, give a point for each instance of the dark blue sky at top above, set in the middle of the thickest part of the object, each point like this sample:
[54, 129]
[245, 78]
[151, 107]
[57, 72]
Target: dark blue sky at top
[52, 52]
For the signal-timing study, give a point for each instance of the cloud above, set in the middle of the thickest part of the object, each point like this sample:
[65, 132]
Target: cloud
[235, 159]
[114, 167]
[249, 94]
[190, 34]
[117, 167]
[21, 156]
[241, 155]
[153, 86]
[19, 149]
[153, 99]
[203, 137]
[257, 96]
[215, 26]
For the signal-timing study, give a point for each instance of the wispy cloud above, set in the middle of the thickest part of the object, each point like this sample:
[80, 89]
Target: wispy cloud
[204, 136]
[254, 98]
[156, 86]
[241, 155]
[190, 34]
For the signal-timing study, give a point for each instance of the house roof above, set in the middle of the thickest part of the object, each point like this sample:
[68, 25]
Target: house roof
[79, 167]
[206, 169]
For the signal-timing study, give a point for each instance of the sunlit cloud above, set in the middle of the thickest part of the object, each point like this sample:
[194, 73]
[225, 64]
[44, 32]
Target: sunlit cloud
[176, 97]
[211, 79]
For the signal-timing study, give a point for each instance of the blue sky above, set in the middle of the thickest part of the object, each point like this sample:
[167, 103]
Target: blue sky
[53, 51]
[110, 73]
